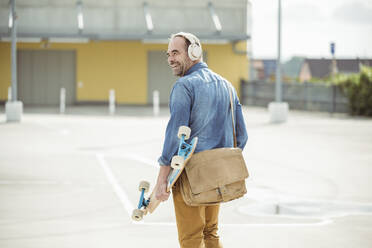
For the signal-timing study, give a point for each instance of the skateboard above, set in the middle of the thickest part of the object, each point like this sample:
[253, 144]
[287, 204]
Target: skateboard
[178, 163]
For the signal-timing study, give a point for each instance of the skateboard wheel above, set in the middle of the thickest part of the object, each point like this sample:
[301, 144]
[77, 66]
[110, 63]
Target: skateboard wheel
[177, 162]
[184, 130]
[144, 185]
[137, 215]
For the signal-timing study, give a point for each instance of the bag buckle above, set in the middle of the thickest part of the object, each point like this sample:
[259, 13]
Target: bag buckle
[222, 191]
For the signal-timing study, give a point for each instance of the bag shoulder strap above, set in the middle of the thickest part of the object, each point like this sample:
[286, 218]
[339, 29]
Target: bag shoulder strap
[232, 115]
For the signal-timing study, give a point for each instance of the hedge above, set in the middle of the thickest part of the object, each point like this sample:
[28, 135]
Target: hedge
[358, 89]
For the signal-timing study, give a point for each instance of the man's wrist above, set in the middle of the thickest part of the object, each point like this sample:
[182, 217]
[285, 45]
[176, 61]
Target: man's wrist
[163, 174]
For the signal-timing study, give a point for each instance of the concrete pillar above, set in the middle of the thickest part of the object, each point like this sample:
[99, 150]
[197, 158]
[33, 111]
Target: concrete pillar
[156, 102]
[112, 102]
[62, 101]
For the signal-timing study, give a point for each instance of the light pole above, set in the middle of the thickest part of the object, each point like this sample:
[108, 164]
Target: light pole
[278, 83]
[13, 108]
[278, 110]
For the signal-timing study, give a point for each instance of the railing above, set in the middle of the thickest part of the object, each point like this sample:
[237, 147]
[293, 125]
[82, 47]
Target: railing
[302, 96]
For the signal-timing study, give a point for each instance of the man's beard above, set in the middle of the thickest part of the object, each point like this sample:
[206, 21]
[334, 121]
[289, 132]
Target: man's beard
[180, 70]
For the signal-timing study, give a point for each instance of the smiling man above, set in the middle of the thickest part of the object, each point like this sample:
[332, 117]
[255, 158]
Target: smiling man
[199, 99]
[178, 55]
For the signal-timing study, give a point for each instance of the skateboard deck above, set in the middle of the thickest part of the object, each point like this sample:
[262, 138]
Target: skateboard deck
[185, 151]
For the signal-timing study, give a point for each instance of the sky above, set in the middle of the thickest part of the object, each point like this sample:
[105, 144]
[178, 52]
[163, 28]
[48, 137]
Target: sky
[308, 28]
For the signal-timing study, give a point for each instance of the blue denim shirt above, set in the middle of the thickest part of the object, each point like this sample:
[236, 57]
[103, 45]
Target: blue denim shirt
[201, 100]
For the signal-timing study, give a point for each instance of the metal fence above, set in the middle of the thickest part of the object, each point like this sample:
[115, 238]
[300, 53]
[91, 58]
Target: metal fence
[302, 96]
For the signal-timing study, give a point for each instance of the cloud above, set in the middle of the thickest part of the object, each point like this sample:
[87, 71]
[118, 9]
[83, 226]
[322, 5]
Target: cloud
[309, 27]
[356, 12]
[302, 12]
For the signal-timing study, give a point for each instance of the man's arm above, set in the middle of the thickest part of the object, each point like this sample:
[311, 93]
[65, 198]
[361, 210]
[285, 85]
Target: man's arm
[161, 184]
[180, 103]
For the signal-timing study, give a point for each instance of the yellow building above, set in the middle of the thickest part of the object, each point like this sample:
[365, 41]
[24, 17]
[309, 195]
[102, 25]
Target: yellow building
[117, 56]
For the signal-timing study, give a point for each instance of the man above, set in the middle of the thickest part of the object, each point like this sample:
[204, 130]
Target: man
[199, 99]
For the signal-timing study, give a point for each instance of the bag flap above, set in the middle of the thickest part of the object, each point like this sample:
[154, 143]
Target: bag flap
[211, 169]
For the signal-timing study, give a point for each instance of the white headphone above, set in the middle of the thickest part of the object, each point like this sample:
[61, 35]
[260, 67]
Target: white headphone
[194, 51]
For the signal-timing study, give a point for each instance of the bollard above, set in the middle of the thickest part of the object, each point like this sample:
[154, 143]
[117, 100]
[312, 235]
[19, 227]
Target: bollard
[112, 102]
[62, 101]
[156, 102]
[9, 94]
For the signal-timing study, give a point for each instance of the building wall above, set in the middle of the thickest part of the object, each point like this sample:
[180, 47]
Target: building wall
[225, 62]
[5, 73]
[105, 65]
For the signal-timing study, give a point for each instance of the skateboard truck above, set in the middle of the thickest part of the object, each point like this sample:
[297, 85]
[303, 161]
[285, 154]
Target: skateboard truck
[138, 213]
[143, 202]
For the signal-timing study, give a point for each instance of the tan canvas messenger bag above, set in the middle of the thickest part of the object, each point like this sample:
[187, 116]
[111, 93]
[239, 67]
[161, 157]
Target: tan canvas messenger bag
[214, 176]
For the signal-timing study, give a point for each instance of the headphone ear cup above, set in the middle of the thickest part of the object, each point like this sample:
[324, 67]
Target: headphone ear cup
[194, 52]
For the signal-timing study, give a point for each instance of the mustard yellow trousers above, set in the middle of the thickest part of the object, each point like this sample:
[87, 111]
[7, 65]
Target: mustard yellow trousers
[197, 226]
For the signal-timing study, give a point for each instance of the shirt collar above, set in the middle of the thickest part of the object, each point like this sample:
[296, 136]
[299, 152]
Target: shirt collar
[196, 67]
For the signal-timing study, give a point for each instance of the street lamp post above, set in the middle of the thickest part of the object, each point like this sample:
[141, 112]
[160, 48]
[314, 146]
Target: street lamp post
[278, 110]
[13, 108]
[278, 83]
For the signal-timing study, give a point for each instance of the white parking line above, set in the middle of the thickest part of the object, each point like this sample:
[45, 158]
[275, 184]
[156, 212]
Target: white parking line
[128, 206]
[120, 193]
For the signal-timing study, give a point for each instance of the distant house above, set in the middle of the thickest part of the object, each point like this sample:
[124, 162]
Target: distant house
[292, 67]
[264, 69]
[322, 68]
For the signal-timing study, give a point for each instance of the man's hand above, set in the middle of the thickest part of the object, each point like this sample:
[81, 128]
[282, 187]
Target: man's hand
[161, 192]
[161, 185]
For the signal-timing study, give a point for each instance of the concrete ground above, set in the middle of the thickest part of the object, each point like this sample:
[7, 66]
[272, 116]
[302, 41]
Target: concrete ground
[71, 181]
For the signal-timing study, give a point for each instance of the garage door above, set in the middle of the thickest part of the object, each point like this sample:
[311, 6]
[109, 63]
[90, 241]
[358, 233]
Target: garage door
[41, 75]
[160, 76]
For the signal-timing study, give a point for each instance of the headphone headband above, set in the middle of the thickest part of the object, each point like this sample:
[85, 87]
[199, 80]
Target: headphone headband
[189, 37]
